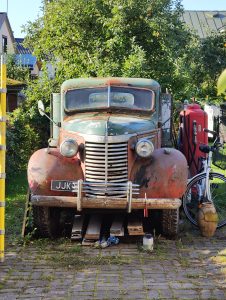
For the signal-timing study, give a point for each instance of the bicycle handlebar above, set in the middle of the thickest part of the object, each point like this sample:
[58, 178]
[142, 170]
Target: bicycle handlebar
[214, 133]
[216, 144]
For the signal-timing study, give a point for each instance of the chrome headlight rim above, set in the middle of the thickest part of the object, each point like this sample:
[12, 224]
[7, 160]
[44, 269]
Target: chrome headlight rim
[72, 149]
[138, 145]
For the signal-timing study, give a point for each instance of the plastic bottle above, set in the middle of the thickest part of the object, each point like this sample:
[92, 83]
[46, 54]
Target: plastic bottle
[148, 242]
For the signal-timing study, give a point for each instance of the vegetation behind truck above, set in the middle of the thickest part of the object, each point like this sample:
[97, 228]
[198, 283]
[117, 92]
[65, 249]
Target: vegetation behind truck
[107, 153]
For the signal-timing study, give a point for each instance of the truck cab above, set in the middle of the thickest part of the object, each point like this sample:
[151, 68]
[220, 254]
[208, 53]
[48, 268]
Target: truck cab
[107, 153]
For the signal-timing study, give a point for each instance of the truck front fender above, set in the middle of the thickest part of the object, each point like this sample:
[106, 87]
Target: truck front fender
[164, 175]
[48, 164]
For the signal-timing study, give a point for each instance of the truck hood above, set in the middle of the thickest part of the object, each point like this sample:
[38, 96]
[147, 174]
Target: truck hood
[97, 124]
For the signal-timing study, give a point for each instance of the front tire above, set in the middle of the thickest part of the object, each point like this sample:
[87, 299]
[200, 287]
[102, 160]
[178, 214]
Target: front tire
[46, 221]
[170, 222]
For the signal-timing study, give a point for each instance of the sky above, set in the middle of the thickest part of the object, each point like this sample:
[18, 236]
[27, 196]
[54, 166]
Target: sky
[22, 11]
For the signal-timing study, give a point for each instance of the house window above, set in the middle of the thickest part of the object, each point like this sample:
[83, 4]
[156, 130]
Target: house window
[4, 44]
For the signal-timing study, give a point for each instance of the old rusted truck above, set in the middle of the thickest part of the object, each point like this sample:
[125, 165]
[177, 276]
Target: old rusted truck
[109, 150]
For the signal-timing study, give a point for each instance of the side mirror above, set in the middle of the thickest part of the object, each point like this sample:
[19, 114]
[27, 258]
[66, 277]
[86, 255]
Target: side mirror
[41, 108]
[166, 115]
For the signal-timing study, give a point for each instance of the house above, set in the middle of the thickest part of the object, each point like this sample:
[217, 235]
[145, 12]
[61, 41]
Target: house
[7, 46]
[7, 41]
[14, 94]
[205, 22]
[25, 58]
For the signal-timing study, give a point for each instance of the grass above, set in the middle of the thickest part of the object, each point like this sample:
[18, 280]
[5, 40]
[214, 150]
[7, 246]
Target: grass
[220, 257]
[72, 254]
[16, 190]
[67, 259]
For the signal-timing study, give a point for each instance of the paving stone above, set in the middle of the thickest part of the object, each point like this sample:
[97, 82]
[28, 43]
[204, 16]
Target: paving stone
[219, 294]
[153, 294]
[192, 294]
[205, 294]
[187, 272]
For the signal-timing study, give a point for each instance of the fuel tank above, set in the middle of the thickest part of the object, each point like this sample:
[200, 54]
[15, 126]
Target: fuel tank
[192, 122]
[164, 175]
[45, 165]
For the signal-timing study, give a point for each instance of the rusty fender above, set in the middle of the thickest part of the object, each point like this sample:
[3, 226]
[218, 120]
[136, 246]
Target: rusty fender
[48, 164]
[164, 175]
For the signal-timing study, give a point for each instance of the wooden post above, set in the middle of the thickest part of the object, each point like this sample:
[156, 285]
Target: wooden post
[2, 156]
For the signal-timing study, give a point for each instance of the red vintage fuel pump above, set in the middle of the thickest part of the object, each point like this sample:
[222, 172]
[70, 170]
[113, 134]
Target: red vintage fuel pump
[193, 120]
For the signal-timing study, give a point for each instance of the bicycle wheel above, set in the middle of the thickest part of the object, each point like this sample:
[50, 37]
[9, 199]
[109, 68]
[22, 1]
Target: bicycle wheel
[194, 196]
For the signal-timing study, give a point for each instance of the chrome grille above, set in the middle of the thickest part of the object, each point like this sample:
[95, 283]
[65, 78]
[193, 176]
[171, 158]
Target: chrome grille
[106, 163]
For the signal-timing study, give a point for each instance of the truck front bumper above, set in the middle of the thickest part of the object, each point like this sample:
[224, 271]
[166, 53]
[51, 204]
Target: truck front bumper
[80, 201]
[105, 203]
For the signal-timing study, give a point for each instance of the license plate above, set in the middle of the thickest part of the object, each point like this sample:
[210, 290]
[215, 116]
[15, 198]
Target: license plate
[64, 185]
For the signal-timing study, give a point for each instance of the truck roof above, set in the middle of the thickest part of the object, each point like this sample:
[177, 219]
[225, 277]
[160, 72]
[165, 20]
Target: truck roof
[117, 81]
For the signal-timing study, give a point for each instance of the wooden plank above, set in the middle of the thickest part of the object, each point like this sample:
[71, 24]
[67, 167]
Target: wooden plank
[93, 229]
[107, 203]
[26, 214]
[77, 229]
[86, 242]
[135, 226]
[117, 227]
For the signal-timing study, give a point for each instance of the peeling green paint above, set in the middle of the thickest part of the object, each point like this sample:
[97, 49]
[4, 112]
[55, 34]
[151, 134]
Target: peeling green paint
[95, 124]
[95, 82]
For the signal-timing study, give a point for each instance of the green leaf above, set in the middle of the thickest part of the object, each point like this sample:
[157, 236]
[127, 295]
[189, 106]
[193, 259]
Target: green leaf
[221, 83]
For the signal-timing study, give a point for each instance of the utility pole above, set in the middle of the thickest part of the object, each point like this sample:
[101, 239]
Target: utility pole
[2, 155]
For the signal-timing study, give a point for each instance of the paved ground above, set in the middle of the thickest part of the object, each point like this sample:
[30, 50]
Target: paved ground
[192, 267]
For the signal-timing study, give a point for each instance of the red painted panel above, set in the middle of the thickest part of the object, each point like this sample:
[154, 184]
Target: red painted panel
[44, 167]
[164, 175]
[192, 122]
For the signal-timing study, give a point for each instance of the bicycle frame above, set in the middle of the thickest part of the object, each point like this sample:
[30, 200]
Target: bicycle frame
[204, 186]
[208, 170]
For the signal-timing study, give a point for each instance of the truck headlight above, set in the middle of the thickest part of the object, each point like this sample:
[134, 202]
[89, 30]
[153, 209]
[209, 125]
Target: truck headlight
[144, 148]
[69, 148]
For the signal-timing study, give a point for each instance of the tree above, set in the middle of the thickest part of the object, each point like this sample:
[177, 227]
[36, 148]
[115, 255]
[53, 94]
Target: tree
[27, 131]
[16, 71]
[212, 61]
[137, 38]
[221, 83]
[20, 135]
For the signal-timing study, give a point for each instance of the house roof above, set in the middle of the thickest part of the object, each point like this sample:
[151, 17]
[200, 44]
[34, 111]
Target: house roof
[204, 22]
[26, 60]
[13, 82]
[20, 48]
[4, 18]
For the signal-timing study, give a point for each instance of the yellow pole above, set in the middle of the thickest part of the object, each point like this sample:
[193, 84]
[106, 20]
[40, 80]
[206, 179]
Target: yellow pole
[2, 155]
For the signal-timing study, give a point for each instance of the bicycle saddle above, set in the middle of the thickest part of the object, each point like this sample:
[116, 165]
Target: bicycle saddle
[204, 148]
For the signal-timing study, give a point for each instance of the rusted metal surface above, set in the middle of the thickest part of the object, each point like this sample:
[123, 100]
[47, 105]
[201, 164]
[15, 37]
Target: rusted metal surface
[44, 167]
[164, 175]
[107, 156]
[97, 82]
[106, 203]
[117, 124]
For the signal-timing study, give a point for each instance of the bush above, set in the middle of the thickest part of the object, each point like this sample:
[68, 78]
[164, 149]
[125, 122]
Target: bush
[22, 140]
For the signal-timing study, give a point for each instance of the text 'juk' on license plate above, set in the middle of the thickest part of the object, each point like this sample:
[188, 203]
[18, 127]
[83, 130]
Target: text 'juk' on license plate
[63, 185]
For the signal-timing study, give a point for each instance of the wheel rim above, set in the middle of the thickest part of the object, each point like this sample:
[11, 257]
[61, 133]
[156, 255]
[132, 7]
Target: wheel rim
[192, 197]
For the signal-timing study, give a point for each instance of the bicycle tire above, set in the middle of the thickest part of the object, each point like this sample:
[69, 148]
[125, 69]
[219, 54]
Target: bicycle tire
[218, 192]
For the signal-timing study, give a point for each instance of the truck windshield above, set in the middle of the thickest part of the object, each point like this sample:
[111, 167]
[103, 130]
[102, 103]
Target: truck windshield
[111, 96]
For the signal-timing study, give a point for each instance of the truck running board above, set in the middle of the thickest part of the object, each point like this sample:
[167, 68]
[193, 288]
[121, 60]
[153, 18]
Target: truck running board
[135, 226]
[78, 227]
[93, 230]
[117, 227]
